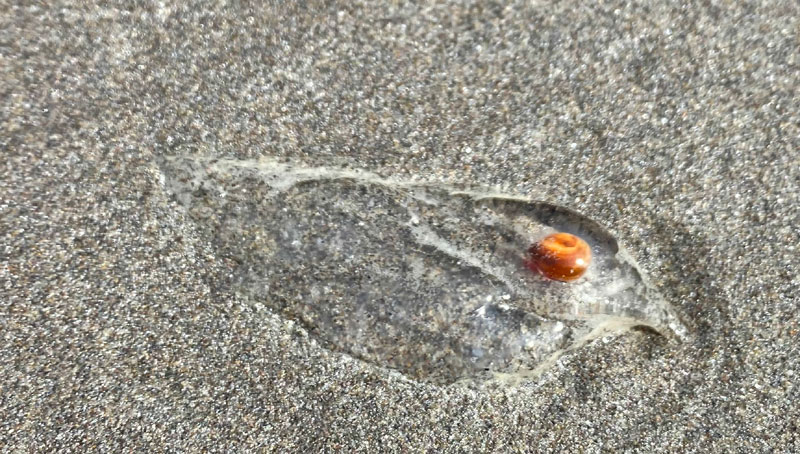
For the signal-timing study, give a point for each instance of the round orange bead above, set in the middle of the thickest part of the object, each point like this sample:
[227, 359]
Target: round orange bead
[560, 256]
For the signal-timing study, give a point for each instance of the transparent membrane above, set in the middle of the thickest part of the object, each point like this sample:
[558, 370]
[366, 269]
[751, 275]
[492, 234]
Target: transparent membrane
[426, 279]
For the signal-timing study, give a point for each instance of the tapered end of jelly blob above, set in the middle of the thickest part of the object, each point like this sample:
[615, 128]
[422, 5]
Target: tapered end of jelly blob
[560, 256]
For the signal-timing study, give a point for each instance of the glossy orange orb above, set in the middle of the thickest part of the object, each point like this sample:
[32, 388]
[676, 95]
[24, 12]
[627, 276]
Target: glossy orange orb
[560, 256]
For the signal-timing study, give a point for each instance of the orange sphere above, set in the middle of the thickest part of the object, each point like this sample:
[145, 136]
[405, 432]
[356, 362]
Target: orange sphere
[560, 256]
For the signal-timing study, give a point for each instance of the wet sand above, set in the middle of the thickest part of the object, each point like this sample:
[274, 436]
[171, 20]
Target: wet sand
[676, 128]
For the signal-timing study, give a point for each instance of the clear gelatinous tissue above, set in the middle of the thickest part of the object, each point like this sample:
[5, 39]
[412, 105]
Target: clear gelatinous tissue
[426, 279]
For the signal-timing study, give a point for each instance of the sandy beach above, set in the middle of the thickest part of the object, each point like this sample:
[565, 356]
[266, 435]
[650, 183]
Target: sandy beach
[136, 318]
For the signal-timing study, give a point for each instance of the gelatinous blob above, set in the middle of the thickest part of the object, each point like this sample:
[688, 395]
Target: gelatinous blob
[426, 279]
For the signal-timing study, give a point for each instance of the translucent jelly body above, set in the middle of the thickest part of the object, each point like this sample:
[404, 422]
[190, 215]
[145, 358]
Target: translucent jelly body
[426, 279]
